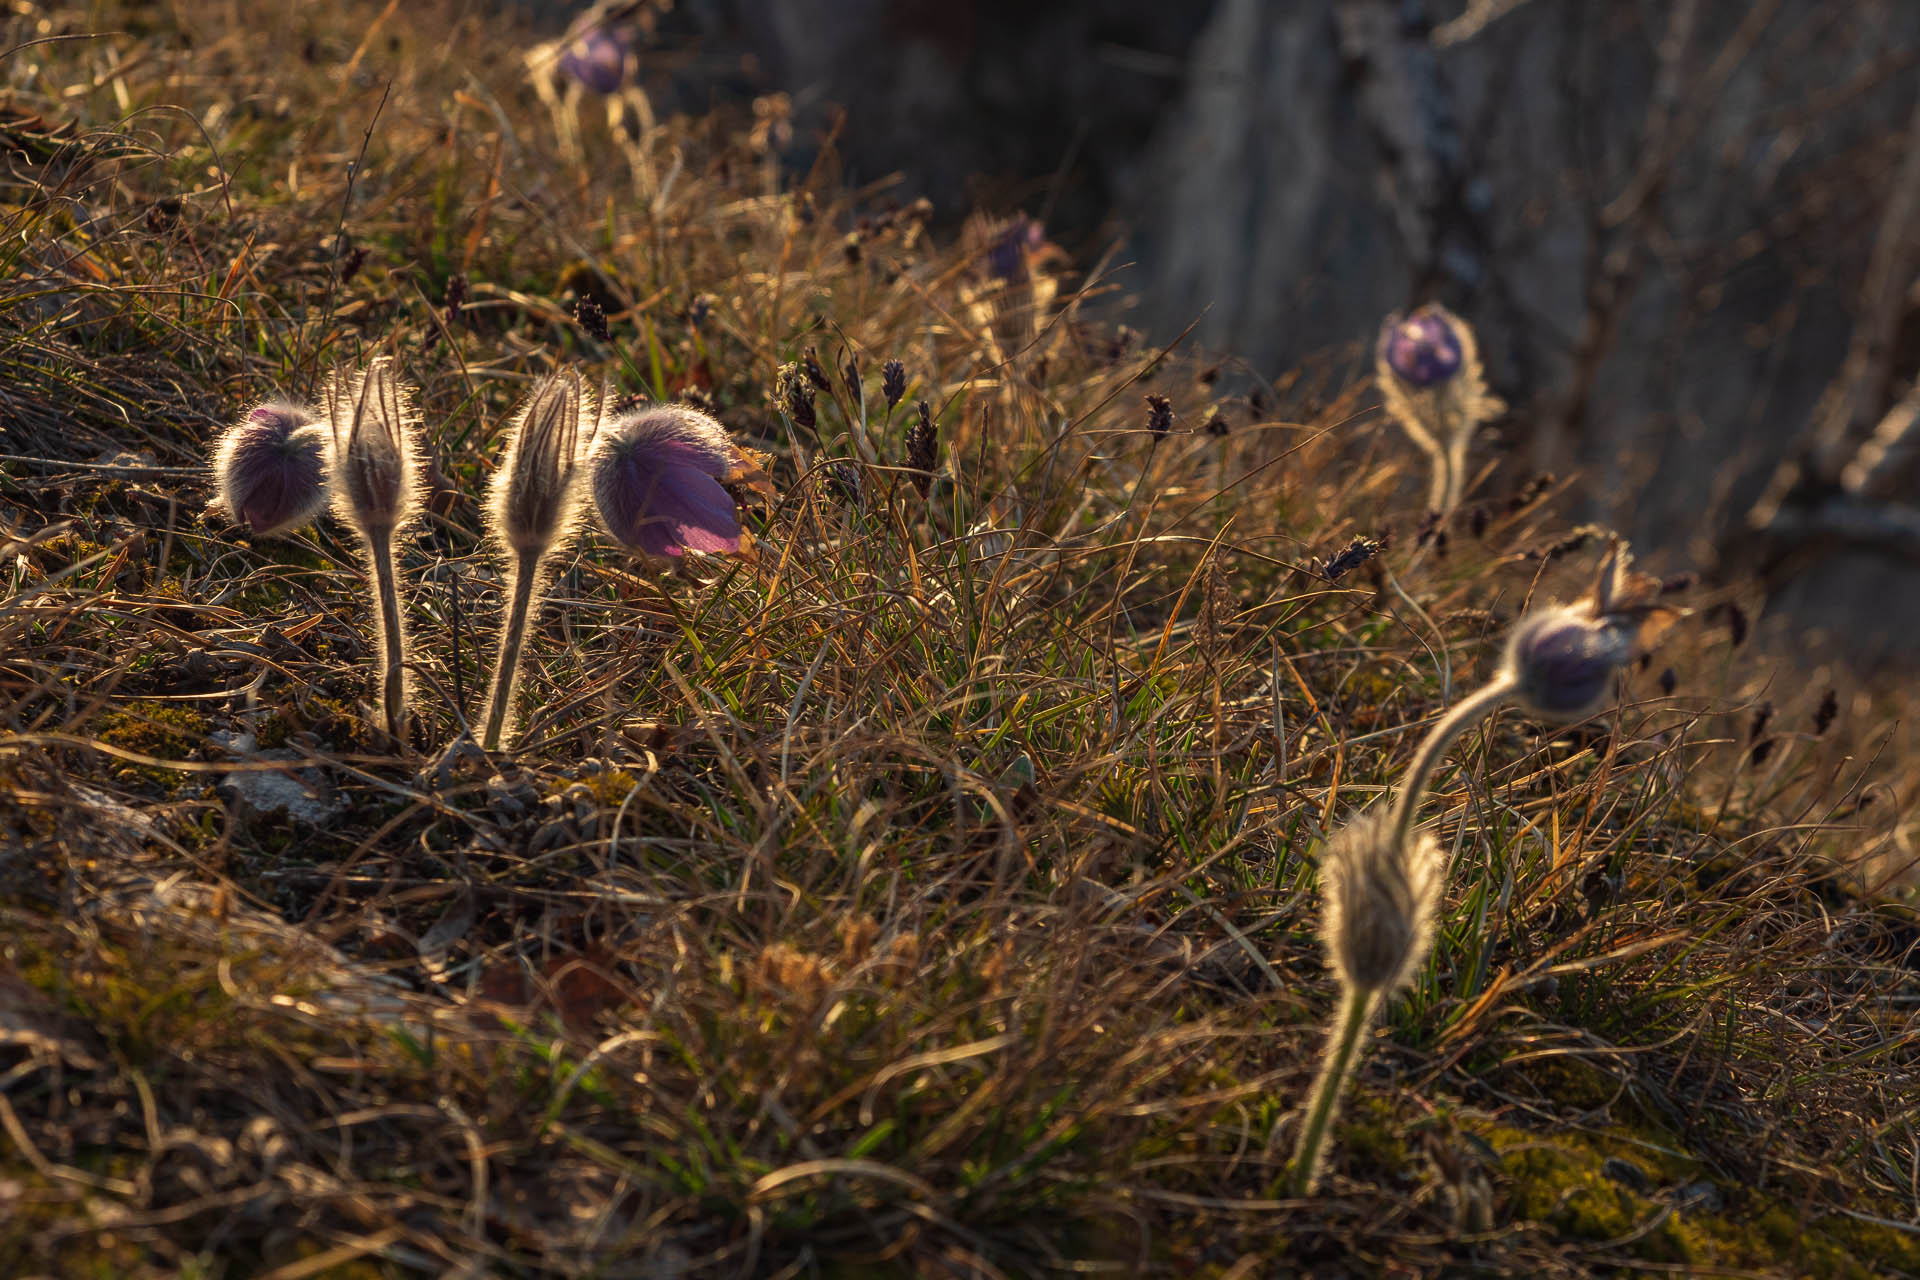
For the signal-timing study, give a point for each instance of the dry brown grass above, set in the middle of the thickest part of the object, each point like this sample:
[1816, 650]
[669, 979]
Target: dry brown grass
[935, 894]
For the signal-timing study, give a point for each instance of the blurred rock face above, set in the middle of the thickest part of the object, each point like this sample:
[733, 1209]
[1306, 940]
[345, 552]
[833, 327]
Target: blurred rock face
[973, 100]
[1658, 217]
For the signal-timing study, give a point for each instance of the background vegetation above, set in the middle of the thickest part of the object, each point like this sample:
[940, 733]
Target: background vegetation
[935, 893]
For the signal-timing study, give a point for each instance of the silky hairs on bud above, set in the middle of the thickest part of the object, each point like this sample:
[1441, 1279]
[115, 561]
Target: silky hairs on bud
[1561, 661]
[376, 463]
[376, 485]
[1381, 897]
[531, 512]
[271, 468]
[534, 498]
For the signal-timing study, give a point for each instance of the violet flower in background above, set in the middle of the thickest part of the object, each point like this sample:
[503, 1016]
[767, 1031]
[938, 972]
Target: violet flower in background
[1422, 349]
[597, 59]
[659, 477]
[1009, 250]
[1428, 367]
[271, 468]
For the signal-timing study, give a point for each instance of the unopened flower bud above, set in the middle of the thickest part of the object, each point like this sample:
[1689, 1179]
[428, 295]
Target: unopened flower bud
[893, 381]
[271, 468]
[376, 464]
[534, 492]
[1381, 897]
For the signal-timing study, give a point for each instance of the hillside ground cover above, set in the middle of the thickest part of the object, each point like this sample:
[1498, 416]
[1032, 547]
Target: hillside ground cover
[935, 890]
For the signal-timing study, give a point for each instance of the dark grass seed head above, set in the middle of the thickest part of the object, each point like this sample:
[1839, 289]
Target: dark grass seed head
[923, 448]
[271, 468]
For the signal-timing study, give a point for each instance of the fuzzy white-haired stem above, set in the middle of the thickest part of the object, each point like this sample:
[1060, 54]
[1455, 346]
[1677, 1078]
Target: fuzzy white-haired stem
[1381, 899]
[535, 501]
[376, 485]
[1463, 715]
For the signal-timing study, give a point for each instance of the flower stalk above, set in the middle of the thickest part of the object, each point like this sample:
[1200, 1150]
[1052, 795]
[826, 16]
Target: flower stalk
[1383, 877]
[532, 516]
[376, 485]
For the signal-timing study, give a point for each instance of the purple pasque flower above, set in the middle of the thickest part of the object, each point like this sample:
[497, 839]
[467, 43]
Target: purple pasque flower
[659, 476]
[1422, 349]
[1564, 660]
[271, 468]
[1012, 246]
[1561, 661]
[597, 59]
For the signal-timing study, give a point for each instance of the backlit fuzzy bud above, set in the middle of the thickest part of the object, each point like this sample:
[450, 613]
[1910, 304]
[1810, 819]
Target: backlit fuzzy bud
[893, 382]
[534, 500]
[657, 478]
[376, 487]
[271, 468]
[1381, 896]
[534, 495]
[1422, 349]
[376, 460]
[1563, 661]
[1560, 662]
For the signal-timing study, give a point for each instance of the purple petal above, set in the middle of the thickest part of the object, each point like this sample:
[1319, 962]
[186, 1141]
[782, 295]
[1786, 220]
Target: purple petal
[675, 508]
[597, 60]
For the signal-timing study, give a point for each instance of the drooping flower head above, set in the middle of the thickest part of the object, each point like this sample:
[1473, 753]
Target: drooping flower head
[597, 59]
[535, 495]
[659, 476]
[1562, 660]
[271, 468]
[376, 458]
[1423, 349]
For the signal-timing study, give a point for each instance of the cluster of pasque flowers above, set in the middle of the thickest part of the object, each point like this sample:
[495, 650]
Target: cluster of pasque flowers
[1382, 878]
[655, 476]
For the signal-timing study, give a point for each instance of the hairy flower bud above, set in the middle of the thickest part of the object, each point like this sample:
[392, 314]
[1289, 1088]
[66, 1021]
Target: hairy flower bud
[534, 494]
[1381, 898]
[271, 468]
[376, 461]
[598, 60]
[658, 475]
[893, 381]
